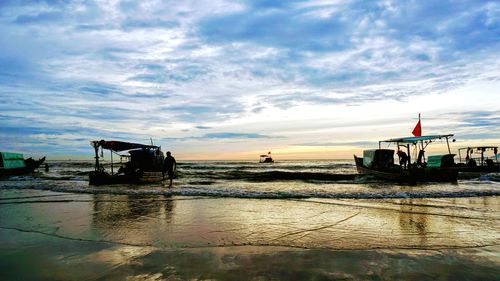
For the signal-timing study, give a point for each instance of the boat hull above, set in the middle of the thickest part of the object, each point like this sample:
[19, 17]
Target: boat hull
[408, 176]
[103, 178]
[478, 169]
[31, 166]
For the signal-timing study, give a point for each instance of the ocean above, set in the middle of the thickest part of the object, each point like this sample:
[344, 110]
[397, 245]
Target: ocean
[250, 179]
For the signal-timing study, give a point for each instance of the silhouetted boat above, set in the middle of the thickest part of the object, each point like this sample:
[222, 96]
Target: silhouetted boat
[476, 159]
[380, 162]
[15, 164]
[143, 163]
[266, 158]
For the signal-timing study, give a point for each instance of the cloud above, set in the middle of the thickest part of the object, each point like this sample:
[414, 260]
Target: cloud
[203, 127]
[135, 69]
[46, 17]
[234, 136]
[148, 23]
[347, 143]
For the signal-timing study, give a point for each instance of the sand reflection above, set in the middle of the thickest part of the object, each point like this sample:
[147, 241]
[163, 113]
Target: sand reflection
[334, 224]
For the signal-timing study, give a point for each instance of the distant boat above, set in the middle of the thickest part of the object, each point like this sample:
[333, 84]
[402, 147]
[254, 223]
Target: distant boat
[15, 164]
[478, 159]
[380, 162]
[142, 163]
[266, 158]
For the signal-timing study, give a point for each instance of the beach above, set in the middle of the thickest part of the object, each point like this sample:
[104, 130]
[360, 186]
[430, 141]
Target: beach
[249, 140]
[47, 235]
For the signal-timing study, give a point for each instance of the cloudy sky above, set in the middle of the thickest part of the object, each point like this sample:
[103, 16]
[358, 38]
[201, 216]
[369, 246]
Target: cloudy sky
[221, 79]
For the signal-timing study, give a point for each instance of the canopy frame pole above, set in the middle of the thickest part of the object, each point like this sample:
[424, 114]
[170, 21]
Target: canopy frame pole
[111, 161]
[409, 156]
[96, 148]
[448, 144]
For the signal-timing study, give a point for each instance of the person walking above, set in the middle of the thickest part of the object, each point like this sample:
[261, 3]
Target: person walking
[169, 166]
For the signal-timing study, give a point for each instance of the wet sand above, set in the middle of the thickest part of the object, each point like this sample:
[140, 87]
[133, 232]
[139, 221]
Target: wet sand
[47, 235]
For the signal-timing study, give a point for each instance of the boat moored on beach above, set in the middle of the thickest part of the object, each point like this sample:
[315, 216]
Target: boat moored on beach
[15, 164]
[142, 163]
[478, 159]
[380, 162]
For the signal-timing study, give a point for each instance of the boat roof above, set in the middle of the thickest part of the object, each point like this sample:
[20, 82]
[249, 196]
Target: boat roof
[121, 145]
[417, 139]
[479, 147]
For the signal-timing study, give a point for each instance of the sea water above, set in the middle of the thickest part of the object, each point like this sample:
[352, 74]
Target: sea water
[249, 179]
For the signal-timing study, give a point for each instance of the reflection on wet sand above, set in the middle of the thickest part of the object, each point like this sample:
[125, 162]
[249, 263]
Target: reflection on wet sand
[118, 208]
[413, 222]
[121, 236]
[334, 224]
[131, 219]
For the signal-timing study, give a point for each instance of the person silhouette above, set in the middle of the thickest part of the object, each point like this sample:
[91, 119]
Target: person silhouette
[169, 166]
[403, 158]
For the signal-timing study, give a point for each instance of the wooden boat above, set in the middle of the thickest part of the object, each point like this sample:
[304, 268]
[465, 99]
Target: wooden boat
[380, 162]
[15, 164]
[478, 159]
[266, 158]
[142, 164]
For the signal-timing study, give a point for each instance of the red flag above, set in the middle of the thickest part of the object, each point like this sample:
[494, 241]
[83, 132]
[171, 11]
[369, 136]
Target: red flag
[417, 131]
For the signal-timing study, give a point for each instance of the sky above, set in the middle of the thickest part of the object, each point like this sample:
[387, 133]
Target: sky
[222, 79]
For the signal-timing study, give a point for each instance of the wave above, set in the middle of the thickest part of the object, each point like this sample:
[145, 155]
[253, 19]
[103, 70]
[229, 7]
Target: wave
[493, 177]
[265, 176]
[189, 190]
[264, 166]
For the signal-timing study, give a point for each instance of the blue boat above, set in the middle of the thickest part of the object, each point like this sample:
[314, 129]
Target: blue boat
[15, 164]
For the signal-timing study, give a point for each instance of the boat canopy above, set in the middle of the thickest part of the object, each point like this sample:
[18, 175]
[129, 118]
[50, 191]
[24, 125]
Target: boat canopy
[417, 139]
[479, 148]
[121, 145]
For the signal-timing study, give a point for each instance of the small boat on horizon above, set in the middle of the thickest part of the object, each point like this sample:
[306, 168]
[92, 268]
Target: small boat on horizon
[142, 163]
[14, 164]
[380, 162]
[266, 158]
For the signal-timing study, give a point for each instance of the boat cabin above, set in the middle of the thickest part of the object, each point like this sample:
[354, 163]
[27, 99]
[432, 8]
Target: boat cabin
[9, 160]
[441, 161]
[378, 158]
